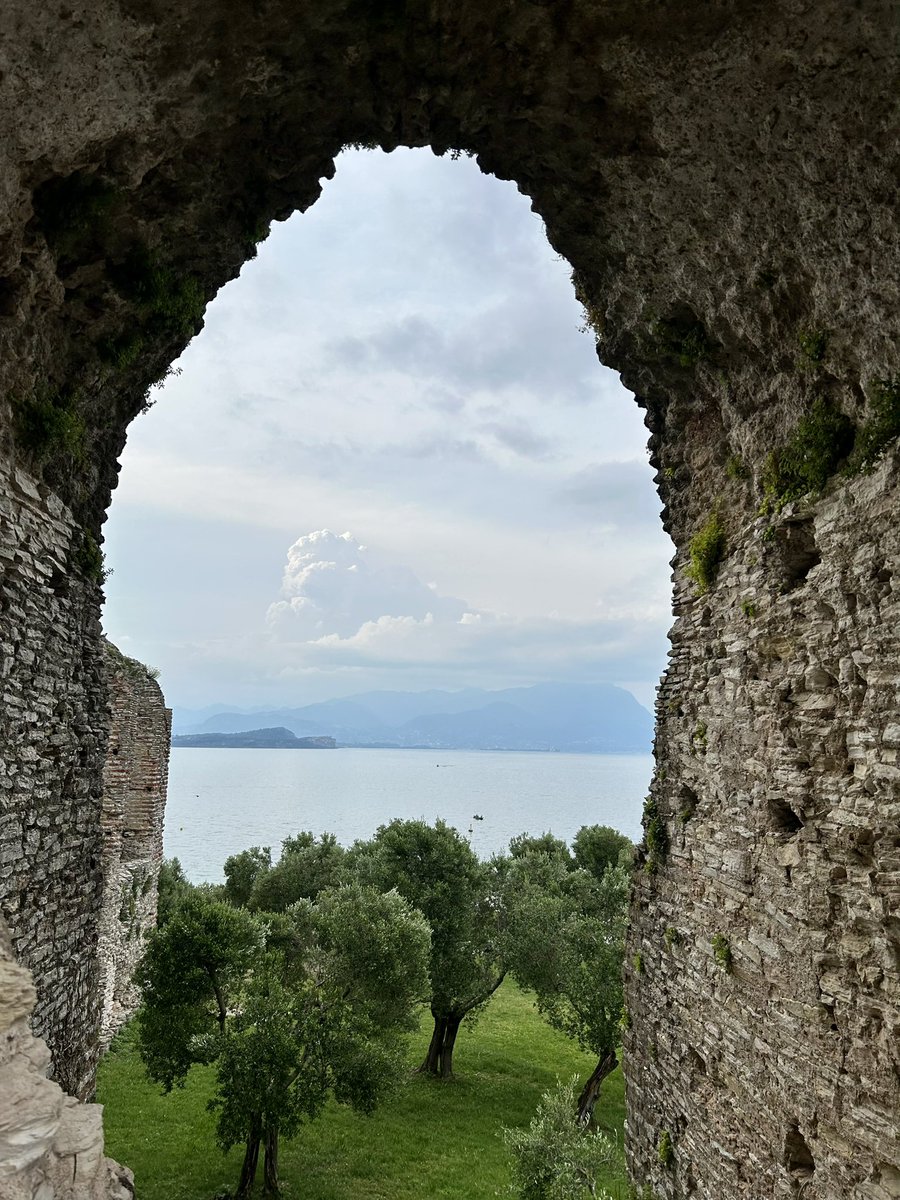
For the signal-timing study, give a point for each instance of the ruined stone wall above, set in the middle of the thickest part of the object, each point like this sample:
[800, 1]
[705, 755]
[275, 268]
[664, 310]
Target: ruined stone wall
[134, 802]
[51, 1147]
[764, 966]
[723, 180]
[51, 739]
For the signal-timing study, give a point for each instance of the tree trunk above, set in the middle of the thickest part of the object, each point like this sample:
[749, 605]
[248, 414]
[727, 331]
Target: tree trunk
[270, 1169]
[248, 1166]
[450, 1031]
[432, 1063]
[591, 1090]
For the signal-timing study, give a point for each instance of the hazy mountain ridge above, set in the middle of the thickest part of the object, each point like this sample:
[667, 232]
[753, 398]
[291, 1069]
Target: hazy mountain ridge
[586, 717]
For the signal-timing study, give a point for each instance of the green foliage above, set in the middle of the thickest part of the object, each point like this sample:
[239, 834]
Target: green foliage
[291, 1009]
[546, 843]
[122, 350]
[167, 300]
[596, 847]
[707, 549]
[242, 871]
[436, 870]
[680, 341]
[89, 559]
[672, 937]
[883, 426]
[48, 424]
[565, 941]
[172, 887]
[820, 441]
[812, 344]
[665, 1151]
[421, 1142]
[721, 950]
[748, 608]
[74, 212]
[555, 1158]
[699, 738]
[656, 836]
[638, 963]
[736, 468]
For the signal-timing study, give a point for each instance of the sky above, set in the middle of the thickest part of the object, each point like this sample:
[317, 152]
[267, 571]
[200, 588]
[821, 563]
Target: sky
[391, 459]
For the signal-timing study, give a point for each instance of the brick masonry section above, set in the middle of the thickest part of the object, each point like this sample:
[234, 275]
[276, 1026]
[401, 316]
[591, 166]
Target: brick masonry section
[134, 802]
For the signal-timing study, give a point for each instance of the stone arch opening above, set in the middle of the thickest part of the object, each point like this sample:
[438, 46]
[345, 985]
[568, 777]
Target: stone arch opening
[723, 184]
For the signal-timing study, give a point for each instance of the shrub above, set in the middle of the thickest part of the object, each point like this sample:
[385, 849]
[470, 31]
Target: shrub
[656, 836]
[819, 442]
[721, 950]
[89, 559]
[672, 937]
[555, 1158]
[680, 341]
[707, 549]
[813, 343]
[881, 428]
[49, 424]
[171, 301]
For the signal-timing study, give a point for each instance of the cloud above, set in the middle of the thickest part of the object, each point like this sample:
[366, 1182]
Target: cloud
[333, 588]
[342, 608]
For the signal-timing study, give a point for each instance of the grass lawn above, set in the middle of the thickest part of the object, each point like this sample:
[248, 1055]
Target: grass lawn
[432, 1139]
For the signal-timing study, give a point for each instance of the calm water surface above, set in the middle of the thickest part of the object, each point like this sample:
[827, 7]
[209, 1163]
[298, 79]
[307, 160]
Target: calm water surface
[222, 801]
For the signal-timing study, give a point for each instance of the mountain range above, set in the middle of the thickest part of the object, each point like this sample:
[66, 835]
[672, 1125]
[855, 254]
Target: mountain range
[598, 718]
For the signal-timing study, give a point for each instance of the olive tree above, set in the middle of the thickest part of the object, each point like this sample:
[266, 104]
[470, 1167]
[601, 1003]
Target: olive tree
[555, 1159]
[437, 871]
[564, 940]
[291, 1008]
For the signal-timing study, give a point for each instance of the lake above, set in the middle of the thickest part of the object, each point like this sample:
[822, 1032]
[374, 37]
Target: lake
[222, 801]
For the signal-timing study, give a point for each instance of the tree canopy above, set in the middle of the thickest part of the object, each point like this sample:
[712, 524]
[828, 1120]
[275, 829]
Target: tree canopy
[436, 870]
[291, 1008]
[564, 939]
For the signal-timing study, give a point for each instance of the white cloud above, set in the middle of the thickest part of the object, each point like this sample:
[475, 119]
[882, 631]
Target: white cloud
[332, 587]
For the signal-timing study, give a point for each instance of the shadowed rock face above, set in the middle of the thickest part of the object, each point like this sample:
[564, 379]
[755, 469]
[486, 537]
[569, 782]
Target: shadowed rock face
[723, 181]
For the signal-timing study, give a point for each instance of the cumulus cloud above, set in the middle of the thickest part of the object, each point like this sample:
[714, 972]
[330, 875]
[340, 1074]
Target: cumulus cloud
[332, 587]
[342, 608]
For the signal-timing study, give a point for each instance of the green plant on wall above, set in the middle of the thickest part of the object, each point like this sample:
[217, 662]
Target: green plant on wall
[166, 299]
[707, 549]
[721, 948]
[882, 427]
[48, 424]
[820, 441]
[672, 937]
[680, 341]
[665, 1151]
[656, 836]
[812, 344]
[89, 559]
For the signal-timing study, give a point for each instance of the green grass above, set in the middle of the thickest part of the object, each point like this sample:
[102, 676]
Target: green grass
[432, 1139]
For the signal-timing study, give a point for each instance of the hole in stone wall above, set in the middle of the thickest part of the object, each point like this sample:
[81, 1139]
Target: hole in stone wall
[687, 804]
[798, 1157]
[782, 817]
[797, 550]
[354, 380]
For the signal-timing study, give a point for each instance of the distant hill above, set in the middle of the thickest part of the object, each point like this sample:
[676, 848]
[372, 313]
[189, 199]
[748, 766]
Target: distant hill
[599, 718]
[278, 738]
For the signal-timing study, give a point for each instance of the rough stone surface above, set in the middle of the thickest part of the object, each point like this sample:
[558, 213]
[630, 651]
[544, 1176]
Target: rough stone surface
[134, 802]
[51, 1147]
[723, 179]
